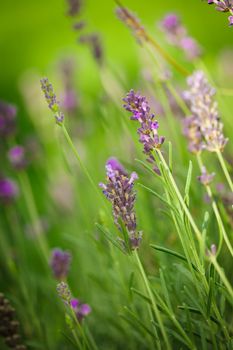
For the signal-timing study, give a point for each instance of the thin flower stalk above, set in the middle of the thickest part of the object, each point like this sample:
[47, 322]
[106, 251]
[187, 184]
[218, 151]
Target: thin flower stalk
[222, 230]
[143, 37]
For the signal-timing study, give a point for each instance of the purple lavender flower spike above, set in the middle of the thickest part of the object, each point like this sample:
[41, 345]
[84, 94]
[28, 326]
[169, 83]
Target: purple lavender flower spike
[203, 129]
[74, 7]
[16, 156]
[60, 263]
[95, 44]
[113, 164]
[81, 310]
[205, 178]
[8, 190]
[148, 131]
[119, 191]
[7, 119]
[51, 99]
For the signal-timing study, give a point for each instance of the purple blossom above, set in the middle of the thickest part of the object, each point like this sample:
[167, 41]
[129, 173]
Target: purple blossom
[7, 119]
[16, 157]
[69, 100]
[51, 99]
[177, 35]
[60, 263]
[148, 131]
[132, 22]
[205, 178]
[8, 190]
[224, 6]
[95, 45]
[81, 310]
[74, 7]
[203, 129]
[119, 191]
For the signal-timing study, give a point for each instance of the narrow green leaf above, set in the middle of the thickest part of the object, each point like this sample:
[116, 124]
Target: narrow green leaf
[170, 156]
[109, 237]
[188, 182]
[172, 252]
[196, 311]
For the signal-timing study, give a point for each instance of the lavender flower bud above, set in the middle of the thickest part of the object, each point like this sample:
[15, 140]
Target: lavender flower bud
[224, 6]
[205, 178]
[51, 99]
[74, 7]
[60, 263]
[7, 119]
[132, 22]
[8, 190]
[81, 310]
[203, 128]
[95, 45]
[119, 191]
[63, 292]
[16, 156]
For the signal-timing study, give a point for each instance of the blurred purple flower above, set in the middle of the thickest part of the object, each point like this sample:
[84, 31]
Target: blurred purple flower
[230, 18]
[60, 263]
[51, 99]
[8, 190]
[74, 7]
[81, 310]
[69, 100]
[205, 178]
[95, 44]
[16, 157]
[177, 35]
[203, 129]
[119, 191]
[7, 119]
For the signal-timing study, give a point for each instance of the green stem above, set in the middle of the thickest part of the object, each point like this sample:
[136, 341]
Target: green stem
[222, 230]
[181, 200]
[151, 296]
[222, 275]
[224, 168]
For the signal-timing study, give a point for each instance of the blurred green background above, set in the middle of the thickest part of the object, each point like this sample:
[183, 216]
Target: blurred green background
[35, 33]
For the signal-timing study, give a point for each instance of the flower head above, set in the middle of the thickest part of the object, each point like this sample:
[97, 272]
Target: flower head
[60, 263]
[95, 45]
[203, 128]
[224, 6]
[8, 190]
[205, 178]
[16, 156]
[81, 310]
[51, 99]
[74, 7]
[119, 191]
[177, 35]
[132, 22]
[64, 293]
[7, 119]
[148, 131]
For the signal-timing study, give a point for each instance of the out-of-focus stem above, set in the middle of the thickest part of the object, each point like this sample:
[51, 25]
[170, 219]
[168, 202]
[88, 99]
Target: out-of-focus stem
[151, 296]
[216, 212]
[224, 168]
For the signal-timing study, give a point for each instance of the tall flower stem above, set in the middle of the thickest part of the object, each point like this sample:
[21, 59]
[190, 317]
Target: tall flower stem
[151, 297]
[224, 168]
[216, 212]
[82, 166]
[222, 276]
